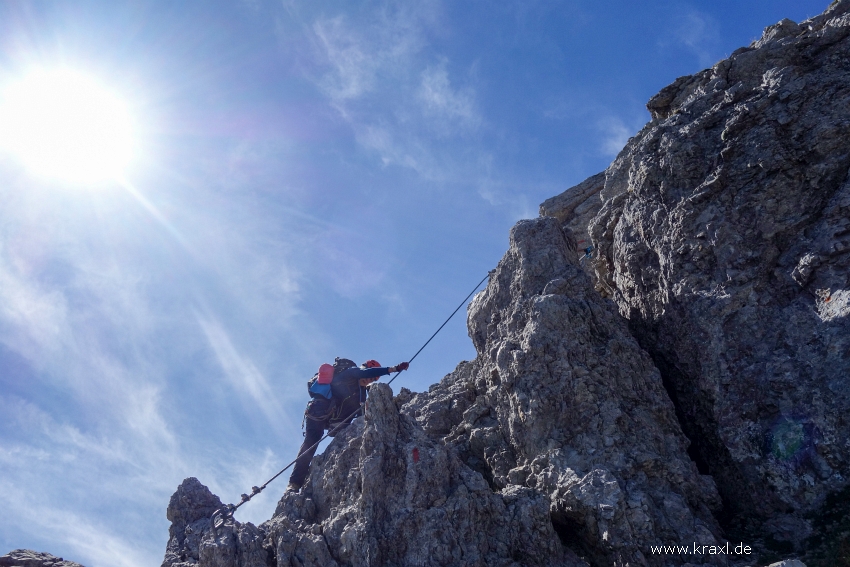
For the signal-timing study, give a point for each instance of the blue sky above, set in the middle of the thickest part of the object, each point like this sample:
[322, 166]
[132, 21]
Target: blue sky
[310, 180]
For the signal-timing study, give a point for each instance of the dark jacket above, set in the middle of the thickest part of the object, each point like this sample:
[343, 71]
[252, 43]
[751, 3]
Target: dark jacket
[347, 391]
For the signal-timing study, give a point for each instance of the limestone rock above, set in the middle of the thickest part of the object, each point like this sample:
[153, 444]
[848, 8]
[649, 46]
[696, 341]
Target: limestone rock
[563, 400]
[725, 239]
[233, 545]
[189, 511]
[575, 208]
[193, 541]
[27, 558]
[384, 493]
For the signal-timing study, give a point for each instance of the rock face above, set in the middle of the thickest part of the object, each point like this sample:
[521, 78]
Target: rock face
[27, 558]
[390, 495]
[384, 493]
[559, 443]
[724, 238]
[575, 208]
[686, 385]
[192, 540]
[563, 400]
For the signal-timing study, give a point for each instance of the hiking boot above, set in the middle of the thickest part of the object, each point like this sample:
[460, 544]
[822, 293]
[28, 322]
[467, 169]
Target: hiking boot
[293, 487]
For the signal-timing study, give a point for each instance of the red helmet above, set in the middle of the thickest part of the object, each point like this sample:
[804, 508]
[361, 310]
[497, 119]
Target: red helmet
[371, 364]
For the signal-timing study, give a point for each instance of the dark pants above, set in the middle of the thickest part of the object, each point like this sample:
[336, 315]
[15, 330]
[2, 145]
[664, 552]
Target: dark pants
[320, 414]
[315, 431]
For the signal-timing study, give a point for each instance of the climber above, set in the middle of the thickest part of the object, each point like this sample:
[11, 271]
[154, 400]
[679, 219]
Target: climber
[349, 389]
[588, 253]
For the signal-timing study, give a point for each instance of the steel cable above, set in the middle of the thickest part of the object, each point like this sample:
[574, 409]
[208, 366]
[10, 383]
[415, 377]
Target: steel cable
[221, 515]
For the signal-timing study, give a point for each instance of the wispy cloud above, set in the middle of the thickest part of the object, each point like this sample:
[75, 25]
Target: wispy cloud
[96, 308]
[98, 543]
[380, 45]
[243, 375]
[143, 448]
[449, 110]
[697, 31]
[353, 69]
[55, 476]
[403, 100]
[39, 316]
[505, 195]
[608, 128]
[614, 134]
[253, 469]
[252, 5]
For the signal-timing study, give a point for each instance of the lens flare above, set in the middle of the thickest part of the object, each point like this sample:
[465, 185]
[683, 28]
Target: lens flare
[792, 439]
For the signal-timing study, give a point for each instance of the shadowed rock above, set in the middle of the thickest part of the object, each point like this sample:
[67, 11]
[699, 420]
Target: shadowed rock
[724, 238]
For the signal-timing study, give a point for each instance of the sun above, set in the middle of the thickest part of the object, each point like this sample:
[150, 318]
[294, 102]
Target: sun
[64, 125]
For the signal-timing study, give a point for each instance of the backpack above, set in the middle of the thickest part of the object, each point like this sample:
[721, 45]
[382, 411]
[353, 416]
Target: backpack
[319, 386]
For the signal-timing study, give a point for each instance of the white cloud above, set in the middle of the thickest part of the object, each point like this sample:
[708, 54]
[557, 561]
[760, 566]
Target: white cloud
[96, 303]
[56, 479]
[50, 329]
[353, 71]
[409, 149]
[450, 110]
[506, 195]
[364, 54]
[95, 544]
[243, 375]
[146, 458]
[698, 32]
[252, 470]
[399, 96]
[562, 109]
[614, 133]
[37, 315]
[252, 5]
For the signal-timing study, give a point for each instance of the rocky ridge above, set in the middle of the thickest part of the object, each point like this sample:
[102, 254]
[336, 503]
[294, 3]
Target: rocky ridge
[560, 444]
[687, 385]
[27, 558]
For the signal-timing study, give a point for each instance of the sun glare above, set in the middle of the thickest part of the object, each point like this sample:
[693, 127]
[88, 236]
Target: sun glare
[63, 125]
